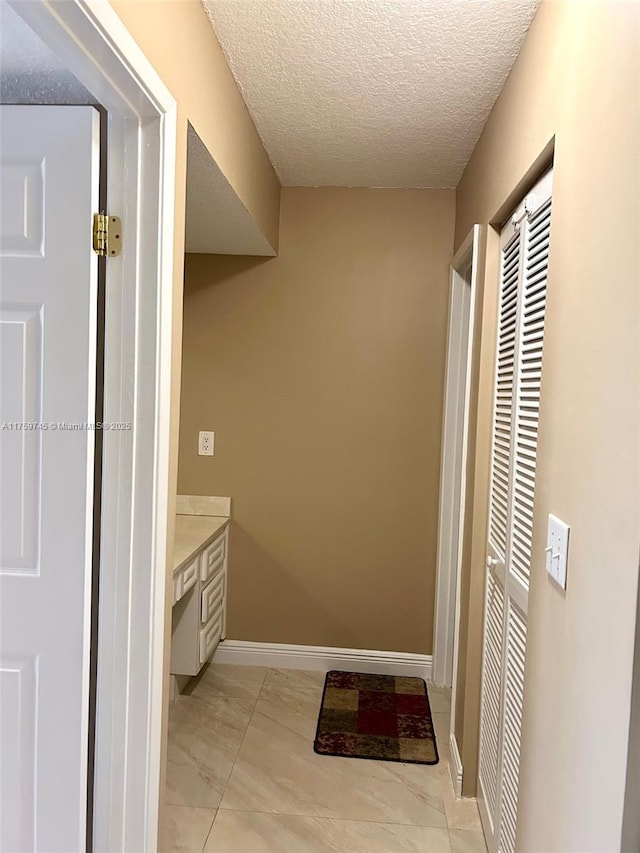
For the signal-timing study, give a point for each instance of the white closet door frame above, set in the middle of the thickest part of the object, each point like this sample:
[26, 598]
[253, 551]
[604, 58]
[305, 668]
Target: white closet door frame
[455, 433]
[91, 40]
[506, 590]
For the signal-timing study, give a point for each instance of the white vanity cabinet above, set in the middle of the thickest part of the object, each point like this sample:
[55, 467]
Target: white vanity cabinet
[199, 609]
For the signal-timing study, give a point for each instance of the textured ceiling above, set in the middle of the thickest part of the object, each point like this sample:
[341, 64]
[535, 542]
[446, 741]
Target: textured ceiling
[370, 92]
[30, 73]
[21, 50]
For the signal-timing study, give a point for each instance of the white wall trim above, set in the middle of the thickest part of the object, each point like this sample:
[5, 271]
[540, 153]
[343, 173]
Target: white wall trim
[455, 765]
[454, 461]
[323, 658]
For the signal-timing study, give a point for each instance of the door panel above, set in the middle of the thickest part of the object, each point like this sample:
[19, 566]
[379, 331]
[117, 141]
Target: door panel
[488, 771]
[521, 313]
[533, 306]
[21, 333]
[49, 173]
[499, 499]
[516, 645]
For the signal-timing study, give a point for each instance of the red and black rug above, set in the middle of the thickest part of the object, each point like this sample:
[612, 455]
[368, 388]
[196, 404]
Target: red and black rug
[384, 717]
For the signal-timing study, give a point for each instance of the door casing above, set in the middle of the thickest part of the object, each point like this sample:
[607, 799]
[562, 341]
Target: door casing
[94, 44]
[455, 416]
[453, 493]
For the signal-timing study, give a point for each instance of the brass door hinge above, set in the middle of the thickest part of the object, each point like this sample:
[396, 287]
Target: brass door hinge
[107, 235]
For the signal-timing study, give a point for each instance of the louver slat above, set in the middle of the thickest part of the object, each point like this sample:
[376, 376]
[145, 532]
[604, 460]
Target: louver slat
[534, 285]
[503, 414]
[512, 727]
[491, 693]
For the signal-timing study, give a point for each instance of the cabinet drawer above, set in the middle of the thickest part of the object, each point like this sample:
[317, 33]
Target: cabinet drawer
[177, 587]
[190, 575]
[212, 597]
[213, 557]
[185, 579]
[210, 637]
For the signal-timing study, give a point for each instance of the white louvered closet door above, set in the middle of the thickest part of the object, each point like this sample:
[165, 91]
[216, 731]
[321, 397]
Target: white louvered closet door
[523, 283]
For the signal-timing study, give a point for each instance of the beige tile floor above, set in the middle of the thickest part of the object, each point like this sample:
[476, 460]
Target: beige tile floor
[243, 777]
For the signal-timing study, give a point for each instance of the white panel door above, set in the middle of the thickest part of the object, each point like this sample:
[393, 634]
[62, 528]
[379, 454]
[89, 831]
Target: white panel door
[523, 285]
[49, 174]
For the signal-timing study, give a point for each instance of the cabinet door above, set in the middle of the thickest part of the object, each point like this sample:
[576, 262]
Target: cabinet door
[210, 637]
[213, 557]
[213, 598]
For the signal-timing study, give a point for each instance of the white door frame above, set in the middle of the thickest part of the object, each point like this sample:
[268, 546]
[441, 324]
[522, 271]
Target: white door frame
[453, 485]
[91, 40]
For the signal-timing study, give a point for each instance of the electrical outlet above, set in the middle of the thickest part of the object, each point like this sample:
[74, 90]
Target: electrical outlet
[206, 442]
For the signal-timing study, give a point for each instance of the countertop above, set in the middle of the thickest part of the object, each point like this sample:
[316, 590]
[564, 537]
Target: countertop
[193, 532]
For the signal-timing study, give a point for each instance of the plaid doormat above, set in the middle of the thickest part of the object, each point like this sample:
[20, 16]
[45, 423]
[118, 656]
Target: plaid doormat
[376, 716]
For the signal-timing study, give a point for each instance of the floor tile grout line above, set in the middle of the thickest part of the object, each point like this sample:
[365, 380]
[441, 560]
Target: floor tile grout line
[445, 829]
[253, 711]
[337, 819]
[185, 806]
[223, 697]
[215, 815]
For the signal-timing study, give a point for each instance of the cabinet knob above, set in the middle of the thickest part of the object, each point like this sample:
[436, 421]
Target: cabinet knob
[492, 562]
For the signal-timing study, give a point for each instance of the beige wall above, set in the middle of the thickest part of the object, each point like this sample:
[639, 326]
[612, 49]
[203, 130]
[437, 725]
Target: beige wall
[576, 79]
[321, 372]
[178, 39]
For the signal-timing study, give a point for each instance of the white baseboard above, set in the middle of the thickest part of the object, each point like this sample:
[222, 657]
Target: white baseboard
[455, 765]
[322, 658]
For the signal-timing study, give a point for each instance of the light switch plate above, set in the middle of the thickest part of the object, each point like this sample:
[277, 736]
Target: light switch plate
[557, 550]
[206, 443]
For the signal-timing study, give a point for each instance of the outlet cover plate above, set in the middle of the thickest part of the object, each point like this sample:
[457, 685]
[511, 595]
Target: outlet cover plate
[206, 443]
[557, 550]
